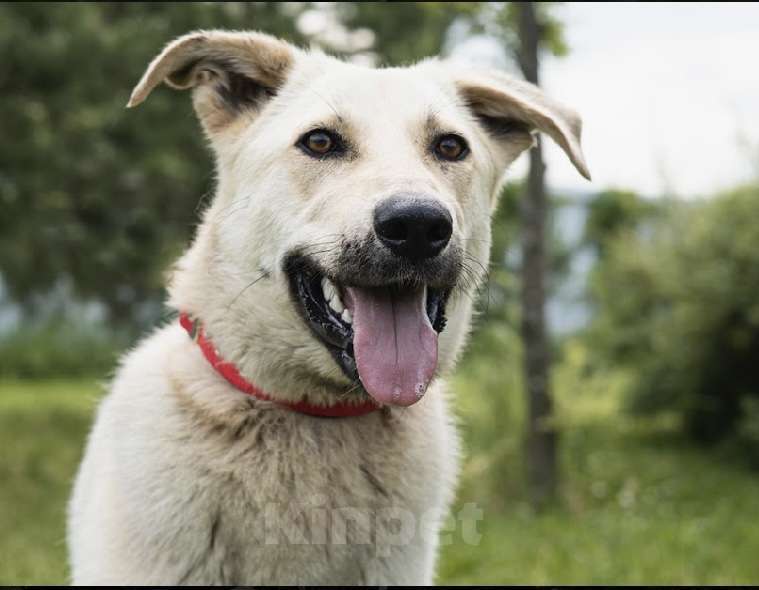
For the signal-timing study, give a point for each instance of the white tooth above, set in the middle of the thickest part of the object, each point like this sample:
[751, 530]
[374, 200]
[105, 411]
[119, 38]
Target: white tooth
[347, 317]
[328, 289]
[336, 304]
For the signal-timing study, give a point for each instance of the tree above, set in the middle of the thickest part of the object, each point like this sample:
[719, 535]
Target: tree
[92, 195]
[541, 432]
[526, 29]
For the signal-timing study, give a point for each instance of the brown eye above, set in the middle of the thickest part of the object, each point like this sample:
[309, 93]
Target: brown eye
[320, 143]
[451, 147]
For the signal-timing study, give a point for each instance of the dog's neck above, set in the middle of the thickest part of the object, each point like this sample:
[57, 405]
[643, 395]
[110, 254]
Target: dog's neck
[228, 370]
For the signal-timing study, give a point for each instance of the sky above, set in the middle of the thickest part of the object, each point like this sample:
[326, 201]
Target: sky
[668, 92]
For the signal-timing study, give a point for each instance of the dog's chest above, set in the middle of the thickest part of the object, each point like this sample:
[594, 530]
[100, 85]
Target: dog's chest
[343, 496]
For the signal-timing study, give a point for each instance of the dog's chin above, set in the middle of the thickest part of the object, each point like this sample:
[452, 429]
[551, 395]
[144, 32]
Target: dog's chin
[382, 332]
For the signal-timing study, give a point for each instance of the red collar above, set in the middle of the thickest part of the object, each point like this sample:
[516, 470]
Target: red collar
[232, 375]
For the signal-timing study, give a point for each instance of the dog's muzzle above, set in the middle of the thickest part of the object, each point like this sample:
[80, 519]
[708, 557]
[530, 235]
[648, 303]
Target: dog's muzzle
[380, 307]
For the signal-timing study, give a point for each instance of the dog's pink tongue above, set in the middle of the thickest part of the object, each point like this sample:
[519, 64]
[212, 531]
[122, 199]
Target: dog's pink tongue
[394, 343]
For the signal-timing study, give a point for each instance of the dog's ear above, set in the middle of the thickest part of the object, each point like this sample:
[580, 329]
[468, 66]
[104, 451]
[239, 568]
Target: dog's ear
[229, 72]
[502, 104]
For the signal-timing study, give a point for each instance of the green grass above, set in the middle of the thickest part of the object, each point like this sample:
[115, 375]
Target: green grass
[638, 505]
[42, 431]
[637, 508]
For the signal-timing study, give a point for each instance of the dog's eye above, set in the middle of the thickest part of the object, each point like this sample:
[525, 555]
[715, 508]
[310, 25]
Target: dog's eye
[451, 147]
[320, 143]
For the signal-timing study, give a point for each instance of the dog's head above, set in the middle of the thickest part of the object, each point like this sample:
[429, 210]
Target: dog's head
[353, 208]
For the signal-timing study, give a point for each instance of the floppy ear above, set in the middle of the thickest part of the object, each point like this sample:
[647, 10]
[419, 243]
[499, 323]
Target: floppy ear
[230, 72]
[502, 103]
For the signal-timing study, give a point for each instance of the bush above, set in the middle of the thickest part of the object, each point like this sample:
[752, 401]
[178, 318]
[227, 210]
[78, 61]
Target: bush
[678, 305]
[59, 348]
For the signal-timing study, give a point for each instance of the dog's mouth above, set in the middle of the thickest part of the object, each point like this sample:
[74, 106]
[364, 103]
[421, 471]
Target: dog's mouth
[384, 336]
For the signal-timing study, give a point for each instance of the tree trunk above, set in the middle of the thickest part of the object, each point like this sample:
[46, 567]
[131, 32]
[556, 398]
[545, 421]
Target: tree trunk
[540, 443]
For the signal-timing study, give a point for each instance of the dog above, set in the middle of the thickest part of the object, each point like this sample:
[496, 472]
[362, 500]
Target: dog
[293, 427]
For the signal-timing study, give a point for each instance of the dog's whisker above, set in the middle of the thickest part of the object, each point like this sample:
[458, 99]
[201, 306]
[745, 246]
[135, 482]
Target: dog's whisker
[203, 201]
[328, 103]
[238, 200]
[229, 212]
[481, 280]
[263, 275]
[356, 385]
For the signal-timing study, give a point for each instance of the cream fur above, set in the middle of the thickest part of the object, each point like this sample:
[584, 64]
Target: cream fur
[181, 470]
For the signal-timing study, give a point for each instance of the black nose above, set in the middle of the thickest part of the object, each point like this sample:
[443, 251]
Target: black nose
[413, 228]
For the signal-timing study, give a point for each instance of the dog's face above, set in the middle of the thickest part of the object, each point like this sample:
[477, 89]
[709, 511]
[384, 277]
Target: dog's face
[352, 216]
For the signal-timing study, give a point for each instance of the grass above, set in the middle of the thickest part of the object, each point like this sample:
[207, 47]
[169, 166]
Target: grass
[42, 431]
[639, 506]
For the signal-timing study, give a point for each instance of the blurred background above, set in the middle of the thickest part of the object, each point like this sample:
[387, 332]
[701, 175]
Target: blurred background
[609, 399]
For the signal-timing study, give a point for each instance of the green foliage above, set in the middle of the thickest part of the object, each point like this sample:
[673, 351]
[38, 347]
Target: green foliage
[678, 305]
[59, 347]
[406, 31]
[500, 20]
[88, 190]
[498, 300]
[614, 211]
[748, 430]
[491, 408]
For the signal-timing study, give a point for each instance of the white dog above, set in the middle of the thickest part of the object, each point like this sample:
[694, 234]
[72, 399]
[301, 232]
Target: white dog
[294, 428]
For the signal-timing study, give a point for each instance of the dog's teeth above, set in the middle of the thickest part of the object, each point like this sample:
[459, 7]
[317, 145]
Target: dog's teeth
[336, 304]
[331, 296]
[347, 318]
[329, 290]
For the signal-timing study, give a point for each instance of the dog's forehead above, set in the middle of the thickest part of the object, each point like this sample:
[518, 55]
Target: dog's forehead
[361, 93]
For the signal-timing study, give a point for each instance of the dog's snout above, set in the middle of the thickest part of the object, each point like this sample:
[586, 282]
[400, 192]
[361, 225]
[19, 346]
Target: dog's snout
[413, 228]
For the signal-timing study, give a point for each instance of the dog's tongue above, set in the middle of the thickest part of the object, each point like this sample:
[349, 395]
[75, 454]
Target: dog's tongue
[394, 343]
